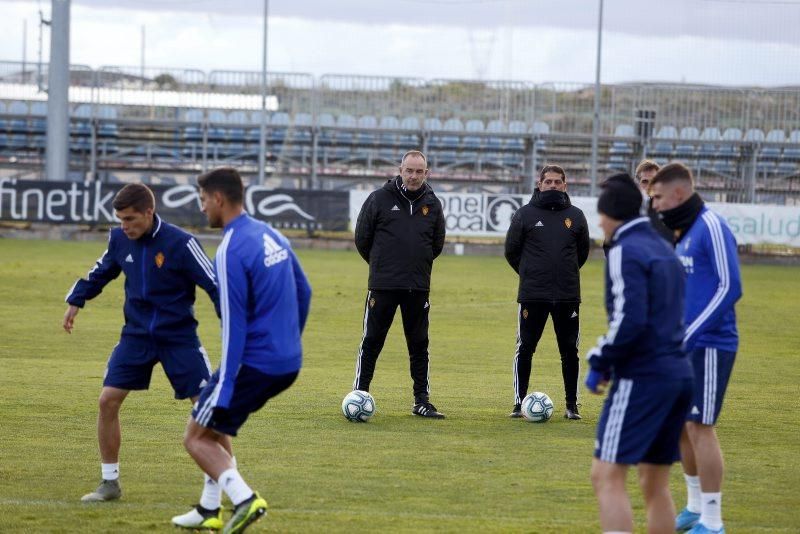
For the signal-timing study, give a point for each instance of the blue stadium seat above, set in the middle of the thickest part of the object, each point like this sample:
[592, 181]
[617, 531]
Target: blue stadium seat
[754, 135]
[303, 119]
[662, 141]
[238, 117]
[432, 123]
[3, 140]
[410, 123]
[620, 150]
[445, 157]
[325, 119]
[710, 145]
[474, 125]
[687, 150]
[367, 122]
[792, 151]
[279, 118]
[787, 168]
[496, 126]
[540, 128]
[342, 137]
[773, 151]
[517, 127]
[18, 125]
[453, 125]
[473, 142]
[730, 150]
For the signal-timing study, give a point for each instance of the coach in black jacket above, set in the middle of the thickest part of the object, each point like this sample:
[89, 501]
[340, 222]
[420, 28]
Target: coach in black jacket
[547, 243]
[399, 232]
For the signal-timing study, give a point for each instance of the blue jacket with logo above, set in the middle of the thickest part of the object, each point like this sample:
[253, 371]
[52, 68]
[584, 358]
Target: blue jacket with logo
[161, 270]
[264, 297]
[645, 287]
[713, 283]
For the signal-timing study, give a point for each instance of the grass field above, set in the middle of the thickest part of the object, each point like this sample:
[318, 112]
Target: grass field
[476, 471]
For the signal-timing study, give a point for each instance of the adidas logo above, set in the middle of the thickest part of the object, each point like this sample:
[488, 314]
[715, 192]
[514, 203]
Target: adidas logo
[395, 208]
[539, 224]
[574, 314]
[203, 383]
[695, 411]
[273, 252]
[129, 259]
[426, 306]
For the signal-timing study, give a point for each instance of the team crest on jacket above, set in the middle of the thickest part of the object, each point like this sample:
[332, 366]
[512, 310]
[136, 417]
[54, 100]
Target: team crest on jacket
[372, 302]
[524, 313]
[425, 210]
[568, 222]
[159, 260]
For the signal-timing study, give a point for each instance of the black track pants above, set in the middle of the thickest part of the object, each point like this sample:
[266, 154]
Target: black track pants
[531, 320]
[379, 311]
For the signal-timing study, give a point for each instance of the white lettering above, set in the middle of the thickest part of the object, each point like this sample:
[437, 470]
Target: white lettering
[53, 203]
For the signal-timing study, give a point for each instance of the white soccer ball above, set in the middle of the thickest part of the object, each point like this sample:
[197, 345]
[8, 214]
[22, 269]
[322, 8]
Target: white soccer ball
[537, 407]
[358, 406]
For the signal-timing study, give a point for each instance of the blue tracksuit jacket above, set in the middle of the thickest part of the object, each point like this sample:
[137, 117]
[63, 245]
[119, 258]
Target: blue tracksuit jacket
[713, 283]
[264, 297]
[161, 270]
[644, 301]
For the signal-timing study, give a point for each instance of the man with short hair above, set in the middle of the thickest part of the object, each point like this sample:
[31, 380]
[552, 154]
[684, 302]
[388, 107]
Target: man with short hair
[707, 249]
[264, 297]
[546, 244]
[162, 266]
[645, 172]
[641, 353]
[399, 232]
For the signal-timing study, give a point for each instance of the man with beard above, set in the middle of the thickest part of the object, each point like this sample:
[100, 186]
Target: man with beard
[546, 244]
[707, 249]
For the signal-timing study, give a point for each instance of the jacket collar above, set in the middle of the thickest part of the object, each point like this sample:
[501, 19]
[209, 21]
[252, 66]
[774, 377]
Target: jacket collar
[627, 226]
[237, 222]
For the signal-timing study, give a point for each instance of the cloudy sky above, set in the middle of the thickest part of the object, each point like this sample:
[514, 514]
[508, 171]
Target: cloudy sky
[731, 42]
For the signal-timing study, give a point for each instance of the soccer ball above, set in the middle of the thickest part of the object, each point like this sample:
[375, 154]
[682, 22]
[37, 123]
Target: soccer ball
[358, 406]
[537, 407]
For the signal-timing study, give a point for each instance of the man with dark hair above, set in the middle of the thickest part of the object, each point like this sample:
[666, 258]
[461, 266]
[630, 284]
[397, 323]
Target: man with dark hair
[652, 379]
[399, 232]
[707, 249]
[162, 266]
[264, 297]
[547, 243]
[645, 172]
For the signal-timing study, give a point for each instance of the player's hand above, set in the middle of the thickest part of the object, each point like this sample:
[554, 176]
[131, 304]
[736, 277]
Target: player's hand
[69, 318]
[596, 381]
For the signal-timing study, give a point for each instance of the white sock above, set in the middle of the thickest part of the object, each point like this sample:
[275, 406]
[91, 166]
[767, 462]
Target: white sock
[711, 515]
[110, 471]
[211, 498]
[234, 486]
[692, 493]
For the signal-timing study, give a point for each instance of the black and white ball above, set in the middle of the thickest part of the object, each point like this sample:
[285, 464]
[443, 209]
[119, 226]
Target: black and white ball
[537, 407]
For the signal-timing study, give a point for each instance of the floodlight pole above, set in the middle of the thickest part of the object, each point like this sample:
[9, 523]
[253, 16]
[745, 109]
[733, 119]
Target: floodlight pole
[596, 116]
[56, 152]
[262, 137]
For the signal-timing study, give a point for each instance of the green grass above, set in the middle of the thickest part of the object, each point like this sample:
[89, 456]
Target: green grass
[476, 471]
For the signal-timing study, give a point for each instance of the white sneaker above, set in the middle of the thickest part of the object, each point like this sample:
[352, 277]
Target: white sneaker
[200, 518]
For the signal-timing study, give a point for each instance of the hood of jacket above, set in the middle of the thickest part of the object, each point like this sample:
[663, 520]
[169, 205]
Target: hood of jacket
[550, 200]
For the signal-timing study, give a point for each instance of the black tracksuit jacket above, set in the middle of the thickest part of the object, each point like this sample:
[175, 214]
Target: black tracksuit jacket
[400, 237]
[547, 244]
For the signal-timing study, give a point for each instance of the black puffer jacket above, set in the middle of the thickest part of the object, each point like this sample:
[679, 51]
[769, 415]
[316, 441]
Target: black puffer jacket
[547, 243]
[400, 236]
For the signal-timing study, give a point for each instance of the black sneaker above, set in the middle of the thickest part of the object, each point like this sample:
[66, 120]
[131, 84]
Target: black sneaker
[572, 412]
[426, 409]
[516, 412]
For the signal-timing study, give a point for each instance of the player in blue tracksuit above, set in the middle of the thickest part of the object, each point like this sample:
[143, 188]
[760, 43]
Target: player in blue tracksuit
[264, 297]
[707, 249]
[641, 355]
[162, 266]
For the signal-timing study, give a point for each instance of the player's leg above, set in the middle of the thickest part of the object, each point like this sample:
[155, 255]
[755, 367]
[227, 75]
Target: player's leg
[204, 438]
[129, 368]
[567, 326]
[608, 481]
[712, 368]
[379, 310]
[531, 318]
[690, 515]
[188, 369]
[415, 308]
[654, 482]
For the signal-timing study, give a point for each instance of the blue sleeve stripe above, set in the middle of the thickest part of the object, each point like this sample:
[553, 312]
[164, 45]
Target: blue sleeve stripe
[618, 290]
[205, 412]
[720, 266]
[201, 259]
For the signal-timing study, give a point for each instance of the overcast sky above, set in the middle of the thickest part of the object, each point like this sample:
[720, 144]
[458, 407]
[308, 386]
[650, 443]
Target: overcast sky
[731, 42]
